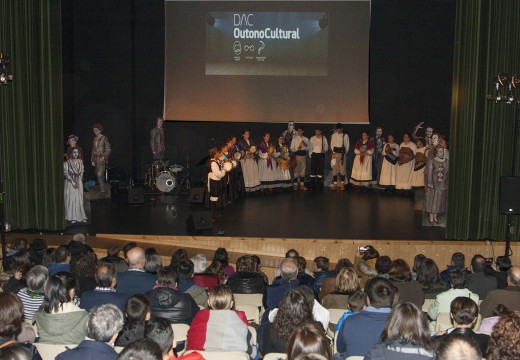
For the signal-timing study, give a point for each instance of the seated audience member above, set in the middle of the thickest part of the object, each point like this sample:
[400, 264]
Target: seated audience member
[105, 292]
[221, 256]
[16, 245]
[36, 250]
[11, 312]
[457, 263]
[329, 284]
[138, 313]
[464, 314]
[292, 254]
[48, 257]
[32, 295]
[418, 260]
[309, 338]
[168, 302]
[294, 311]
[187, 285]
[144, 349]
[207, 331]
[76, 246]
[319, 313]
[499, 270]
[113, 258]
[405, 336]
[135, 280]
[178, 256]
[365, 264]
[128, 246]
[409, 290]
[60, 321]
[288, 280]
[152, 264]
[104, 323]
[356, 303]
[487, 324]
[458, 347]
[160, 331]
[383, 264]
[303, 277]
[361, 331]
[504, 342]
[21, 264]
[479, 281]
[428, 276]
[247, 279]
[321, 271]
[508, 296]
[201, 277]
[347, 282]
[84, 270]
[443, 301]
[256, 258]
[62, 256]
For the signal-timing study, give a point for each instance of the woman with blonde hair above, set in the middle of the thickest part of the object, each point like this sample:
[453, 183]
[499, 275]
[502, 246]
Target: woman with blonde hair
[220, 328]
[347, 282]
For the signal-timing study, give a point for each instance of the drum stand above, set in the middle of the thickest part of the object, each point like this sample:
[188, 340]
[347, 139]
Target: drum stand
[186, 178]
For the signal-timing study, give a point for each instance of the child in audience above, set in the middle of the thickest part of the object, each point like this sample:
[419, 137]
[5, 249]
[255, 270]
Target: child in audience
[356, 302]
[138, 313]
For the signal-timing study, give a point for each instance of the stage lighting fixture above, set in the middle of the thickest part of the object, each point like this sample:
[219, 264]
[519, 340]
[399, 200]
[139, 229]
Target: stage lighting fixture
[210, 20]
[324, 22]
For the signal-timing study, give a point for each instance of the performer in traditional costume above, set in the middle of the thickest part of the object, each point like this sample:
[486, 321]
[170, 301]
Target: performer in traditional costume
[157, 142]
[215, 187]
[428, 133]
[420, 163]
[283, 164]
[436, 185]
[362, 167]
[389, 167]
[317, 149]
[248, 162]
[101, 150]
[288, 135]
[72, 142]
[266, 163]
[300, 147]
[406, 164]
[340, 145]
[235, 188]
[379, 143]
[73, 170]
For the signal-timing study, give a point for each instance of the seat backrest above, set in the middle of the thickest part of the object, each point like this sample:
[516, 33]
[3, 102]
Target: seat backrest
[355, 358]
[222, 355]
[180, 331]
[50, 351]
[252, 312]
[275, 356]
[249, 299]
[427, 304]
[336, 314]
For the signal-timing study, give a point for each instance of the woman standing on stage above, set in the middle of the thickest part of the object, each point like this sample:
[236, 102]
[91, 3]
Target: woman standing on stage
[266, 164]
[215, 187]
[235, 188]
[248, 162]
[283, 163]
[389, 168]
[420, 163]
[362, 168]
[406, 164]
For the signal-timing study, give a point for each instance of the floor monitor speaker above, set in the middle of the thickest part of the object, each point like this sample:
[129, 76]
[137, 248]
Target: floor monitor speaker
[198, 221]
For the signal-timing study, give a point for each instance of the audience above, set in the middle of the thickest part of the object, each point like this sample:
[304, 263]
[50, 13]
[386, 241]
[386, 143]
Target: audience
[221, 257]
[114, 259]
[479, 281]
[16, 245]
[84, 270]
[504, 343]
[499, 270]
[508, 296]
[62, 257]
[11, 312]
[32, 295]
[207, 333]
[405, 336]
[457, 263]
[418, 260]
[409, 290]
[347, 282]
[144, 349]
[60, 321]
[487, 324]
[48, 257]
[428, 276]
[152, 264]
[104, 323]
[36, 250]
[361, 331]
[135, 280]
[104, 292]
[21, 263]
[201, 277]
[188, 286]
[356, 302]
[458, 283]
[76, 246]
[247, 279]
[309, 338]
[329, 284]
[458, 347]
[365, 264]
[464, 315]
[288, 280]
[383, 264]
[321, 271]
[137, 313]
[168, 302]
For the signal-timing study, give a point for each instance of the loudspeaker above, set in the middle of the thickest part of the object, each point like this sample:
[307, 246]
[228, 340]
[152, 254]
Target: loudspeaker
[199, 220]
[196, 195]
[510, 195]
[136, 195]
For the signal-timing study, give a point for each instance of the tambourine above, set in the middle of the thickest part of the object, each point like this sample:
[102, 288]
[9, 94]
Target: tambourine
[237, 156]
[252, 149]
[234, 163]
[333, 162]
[406, 155]
[228, 166]
[271, 150]
[363, 149]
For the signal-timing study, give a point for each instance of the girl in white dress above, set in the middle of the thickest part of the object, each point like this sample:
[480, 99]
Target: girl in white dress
[266, 163]
[362, 168]
[389, 168]
[406, 164]
[73, 188]
[248, 162]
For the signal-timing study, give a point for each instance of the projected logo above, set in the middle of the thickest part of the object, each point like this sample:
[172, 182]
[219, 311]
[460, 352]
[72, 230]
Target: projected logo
[237, 47]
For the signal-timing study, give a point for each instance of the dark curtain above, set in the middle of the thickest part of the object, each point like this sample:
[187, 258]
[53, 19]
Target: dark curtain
[31, 121]
[487, 42]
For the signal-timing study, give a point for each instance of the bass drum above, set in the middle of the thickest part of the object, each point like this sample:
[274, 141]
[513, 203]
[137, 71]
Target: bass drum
[165, 182]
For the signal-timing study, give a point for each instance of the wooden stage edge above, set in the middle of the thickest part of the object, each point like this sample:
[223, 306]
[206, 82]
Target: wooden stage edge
[272, 250]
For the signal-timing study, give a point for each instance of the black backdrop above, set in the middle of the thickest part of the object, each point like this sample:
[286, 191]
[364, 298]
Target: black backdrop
[113, 67]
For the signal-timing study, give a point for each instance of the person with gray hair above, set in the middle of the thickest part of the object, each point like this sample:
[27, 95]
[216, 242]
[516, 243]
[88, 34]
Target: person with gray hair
[200, 263]
[105, 292]
[458, 347]
[104, 324]
[32, 295]
[288, 280]
[135, 280]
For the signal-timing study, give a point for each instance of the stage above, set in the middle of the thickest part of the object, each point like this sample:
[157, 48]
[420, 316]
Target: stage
[313, 214]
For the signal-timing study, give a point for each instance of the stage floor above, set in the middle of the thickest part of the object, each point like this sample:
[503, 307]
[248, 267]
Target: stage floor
[319, 214]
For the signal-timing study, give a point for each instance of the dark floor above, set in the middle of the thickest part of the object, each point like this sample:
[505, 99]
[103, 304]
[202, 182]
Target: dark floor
[311, 214]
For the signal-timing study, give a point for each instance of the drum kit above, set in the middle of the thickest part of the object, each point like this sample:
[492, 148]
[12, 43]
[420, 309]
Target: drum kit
[165, 177]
